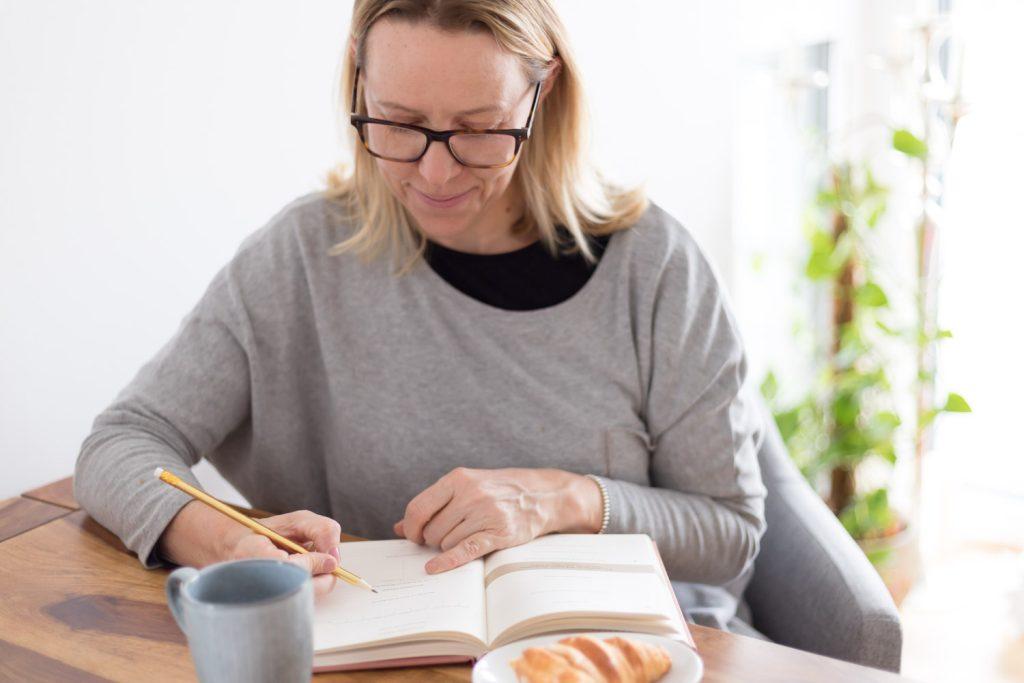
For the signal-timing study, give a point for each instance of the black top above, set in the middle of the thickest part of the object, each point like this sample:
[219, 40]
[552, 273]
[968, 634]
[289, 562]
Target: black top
[520, 280]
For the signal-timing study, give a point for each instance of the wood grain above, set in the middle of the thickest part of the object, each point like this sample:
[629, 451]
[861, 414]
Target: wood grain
[56, 493]
[62, 493]
[116, 615]
[81, 601]
[22, 664]
[732, 657]
[83, 608]
[18, 515]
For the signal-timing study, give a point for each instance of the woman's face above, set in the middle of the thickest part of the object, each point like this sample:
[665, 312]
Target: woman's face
[416, 73]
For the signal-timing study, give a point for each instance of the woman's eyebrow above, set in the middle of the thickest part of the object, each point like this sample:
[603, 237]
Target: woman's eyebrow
[468, 112]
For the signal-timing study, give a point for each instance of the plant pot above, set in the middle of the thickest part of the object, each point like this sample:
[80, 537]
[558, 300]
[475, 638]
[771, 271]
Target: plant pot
[897, 558]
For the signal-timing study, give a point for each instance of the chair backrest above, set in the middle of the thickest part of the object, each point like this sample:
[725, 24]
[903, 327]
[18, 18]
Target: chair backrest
[813, 588]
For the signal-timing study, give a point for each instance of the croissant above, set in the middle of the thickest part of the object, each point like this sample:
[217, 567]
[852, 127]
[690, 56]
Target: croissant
[585, 659]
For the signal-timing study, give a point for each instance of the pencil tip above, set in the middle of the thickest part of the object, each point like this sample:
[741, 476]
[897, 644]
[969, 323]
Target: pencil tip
[374, 590]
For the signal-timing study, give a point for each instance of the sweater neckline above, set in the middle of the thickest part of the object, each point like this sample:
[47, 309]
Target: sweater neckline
[500, 256]
[442, 288]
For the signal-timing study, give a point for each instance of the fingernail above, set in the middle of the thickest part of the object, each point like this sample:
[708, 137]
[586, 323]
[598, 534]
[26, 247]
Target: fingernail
[335, 553]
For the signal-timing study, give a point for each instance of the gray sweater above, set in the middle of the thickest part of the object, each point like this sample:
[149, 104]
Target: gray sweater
[329, 384]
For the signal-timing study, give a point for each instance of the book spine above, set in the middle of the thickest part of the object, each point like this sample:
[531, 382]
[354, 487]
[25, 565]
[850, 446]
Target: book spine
[671, 591]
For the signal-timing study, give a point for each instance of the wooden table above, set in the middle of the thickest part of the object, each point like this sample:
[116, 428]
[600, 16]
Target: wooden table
[77, 606]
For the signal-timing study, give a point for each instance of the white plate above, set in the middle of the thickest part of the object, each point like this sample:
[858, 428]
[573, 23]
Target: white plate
[495, 667]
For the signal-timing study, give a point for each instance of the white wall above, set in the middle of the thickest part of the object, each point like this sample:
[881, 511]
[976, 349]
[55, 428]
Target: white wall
[141, 141]
[661, 87]
[773, 171]
[981, 245]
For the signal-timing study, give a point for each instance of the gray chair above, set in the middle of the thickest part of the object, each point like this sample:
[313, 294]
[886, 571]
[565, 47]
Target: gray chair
[812, 587]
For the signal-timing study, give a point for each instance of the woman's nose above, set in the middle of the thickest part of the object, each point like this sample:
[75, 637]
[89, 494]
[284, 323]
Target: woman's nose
[438, 165]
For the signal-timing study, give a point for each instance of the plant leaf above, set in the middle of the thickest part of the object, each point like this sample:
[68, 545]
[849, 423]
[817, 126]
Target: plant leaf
[875, 214]
[887, 452]
[888, 330]
[867, 513]
[882, 425]
[928, 417]
[820, 264]
[870, 294]
[770, 387]
[788, 424]
[827, 198]
[908, 143]
[955, 403]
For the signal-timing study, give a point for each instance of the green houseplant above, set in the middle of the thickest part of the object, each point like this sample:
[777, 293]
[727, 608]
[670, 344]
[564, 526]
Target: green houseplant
[848, 422]
[847, 417]
[874, 399]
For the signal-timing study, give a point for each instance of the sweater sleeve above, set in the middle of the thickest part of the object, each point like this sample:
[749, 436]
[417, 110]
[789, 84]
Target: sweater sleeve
[705, 505]
[180, 404]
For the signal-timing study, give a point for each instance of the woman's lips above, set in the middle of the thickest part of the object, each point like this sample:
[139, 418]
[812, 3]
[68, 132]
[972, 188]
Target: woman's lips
[442, 203]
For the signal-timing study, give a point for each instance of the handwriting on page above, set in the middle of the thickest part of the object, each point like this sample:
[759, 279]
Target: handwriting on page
[408, 600]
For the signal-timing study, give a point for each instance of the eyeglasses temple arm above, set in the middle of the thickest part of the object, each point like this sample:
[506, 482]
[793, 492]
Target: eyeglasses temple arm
[533, 107]
[355, 88]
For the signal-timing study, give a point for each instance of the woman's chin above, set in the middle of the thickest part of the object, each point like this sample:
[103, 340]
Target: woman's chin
[441, 227]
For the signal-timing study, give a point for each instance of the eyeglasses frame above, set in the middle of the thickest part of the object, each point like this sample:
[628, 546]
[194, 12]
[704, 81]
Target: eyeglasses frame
[445, 136]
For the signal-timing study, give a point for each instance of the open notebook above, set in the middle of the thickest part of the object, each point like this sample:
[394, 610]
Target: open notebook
[559, 582]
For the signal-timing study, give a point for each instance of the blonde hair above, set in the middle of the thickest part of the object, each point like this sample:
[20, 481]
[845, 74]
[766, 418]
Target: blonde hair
[558, 182]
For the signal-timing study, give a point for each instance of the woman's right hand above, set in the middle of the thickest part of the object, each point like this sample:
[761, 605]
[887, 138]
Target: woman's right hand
[318, 534]
[199, 535]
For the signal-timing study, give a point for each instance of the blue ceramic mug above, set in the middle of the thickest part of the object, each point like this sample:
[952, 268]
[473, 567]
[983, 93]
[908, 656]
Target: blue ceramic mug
[246, 620]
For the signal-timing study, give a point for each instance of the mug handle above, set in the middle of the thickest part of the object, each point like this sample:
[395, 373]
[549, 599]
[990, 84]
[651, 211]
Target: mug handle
[178, 578]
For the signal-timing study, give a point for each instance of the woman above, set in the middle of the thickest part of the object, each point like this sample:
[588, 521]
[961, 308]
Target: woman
[469, 340]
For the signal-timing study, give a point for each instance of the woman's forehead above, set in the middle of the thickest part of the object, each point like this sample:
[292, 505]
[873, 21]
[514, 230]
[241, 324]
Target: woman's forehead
[420, 68]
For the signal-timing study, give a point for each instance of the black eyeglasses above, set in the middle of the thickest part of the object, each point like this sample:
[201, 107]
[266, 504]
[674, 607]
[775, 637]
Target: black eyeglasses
[406, 142]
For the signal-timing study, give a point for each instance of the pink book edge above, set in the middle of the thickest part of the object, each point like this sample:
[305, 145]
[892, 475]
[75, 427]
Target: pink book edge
[432, 660]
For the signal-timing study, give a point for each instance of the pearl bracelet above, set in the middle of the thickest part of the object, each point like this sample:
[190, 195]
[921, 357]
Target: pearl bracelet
[605, 504]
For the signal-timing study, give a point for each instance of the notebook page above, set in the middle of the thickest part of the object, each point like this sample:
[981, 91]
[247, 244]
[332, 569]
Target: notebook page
[612, 575]
[409, 601]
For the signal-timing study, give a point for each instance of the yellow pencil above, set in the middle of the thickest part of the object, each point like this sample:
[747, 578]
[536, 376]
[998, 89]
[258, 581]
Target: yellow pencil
[169, 478]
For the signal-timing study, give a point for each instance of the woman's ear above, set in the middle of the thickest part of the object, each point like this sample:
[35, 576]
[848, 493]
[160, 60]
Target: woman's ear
[555, 68]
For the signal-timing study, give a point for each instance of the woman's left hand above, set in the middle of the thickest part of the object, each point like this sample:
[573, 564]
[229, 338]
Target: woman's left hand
[469, 512]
